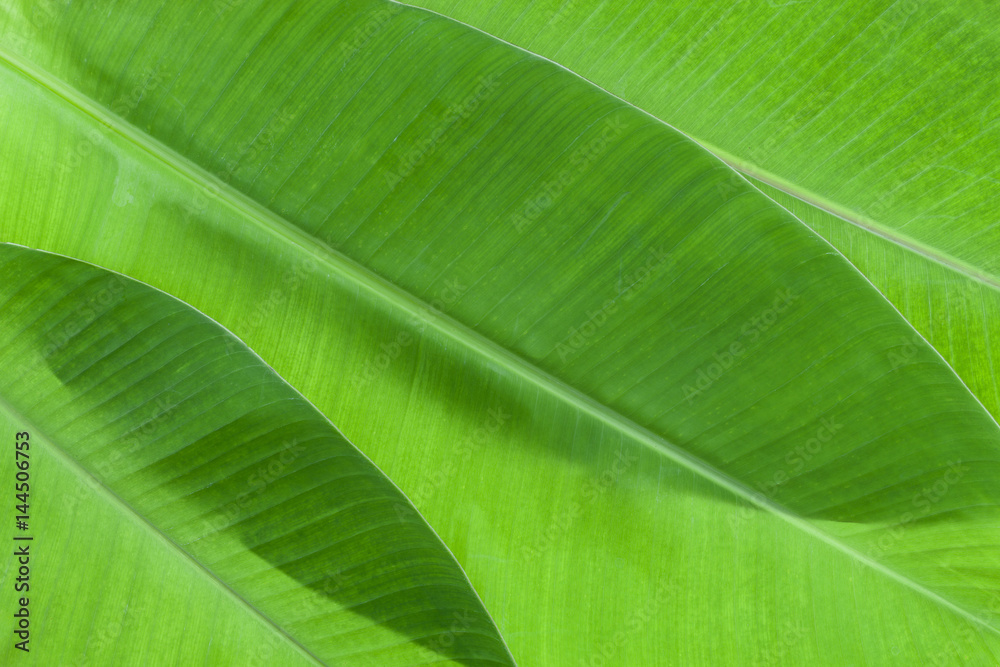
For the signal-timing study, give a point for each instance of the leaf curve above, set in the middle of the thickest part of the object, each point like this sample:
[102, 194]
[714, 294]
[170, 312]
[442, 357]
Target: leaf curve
[235, 468]
[876, 113]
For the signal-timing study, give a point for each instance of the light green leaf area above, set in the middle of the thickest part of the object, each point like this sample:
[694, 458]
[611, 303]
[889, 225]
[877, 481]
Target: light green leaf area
[182, 482]
[885, 113]
[105, 589]
[656, 418]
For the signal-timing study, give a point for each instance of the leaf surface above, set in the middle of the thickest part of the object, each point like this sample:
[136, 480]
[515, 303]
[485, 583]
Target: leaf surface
[197, 458]
[884, 116]
[532, 292]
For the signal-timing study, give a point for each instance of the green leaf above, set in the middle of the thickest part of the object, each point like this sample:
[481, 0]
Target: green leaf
[528, 294]
[197, 459]
[957, 312]
[880, 119]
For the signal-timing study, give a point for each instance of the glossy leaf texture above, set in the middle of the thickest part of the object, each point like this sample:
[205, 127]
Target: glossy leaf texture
[192, 447]
[880, 118]
[657, 419]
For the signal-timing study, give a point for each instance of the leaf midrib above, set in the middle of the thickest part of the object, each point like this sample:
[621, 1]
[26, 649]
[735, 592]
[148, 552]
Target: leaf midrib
[124, 507]
[869, 225]
[275, 224]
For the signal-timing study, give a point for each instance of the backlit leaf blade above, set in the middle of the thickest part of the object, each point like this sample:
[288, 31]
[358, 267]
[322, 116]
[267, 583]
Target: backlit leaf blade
[880, 115]
[401, 153]
[182, 426]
